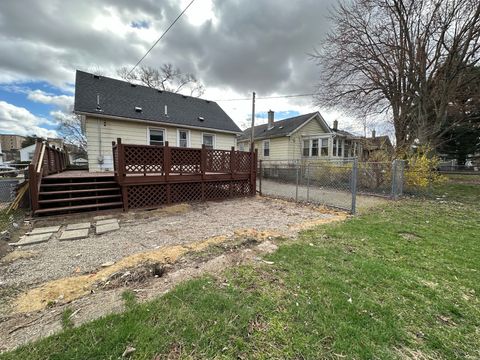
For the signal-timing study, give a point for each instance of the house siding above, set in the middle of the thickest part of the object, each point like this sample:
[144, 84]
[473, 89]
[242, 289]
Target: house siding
[136, 133]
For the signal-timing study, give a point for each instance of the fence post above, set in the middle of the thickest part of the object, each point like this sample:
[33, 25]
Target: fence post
[354, 185]
[260, 176]
[296, 187]
[394, 180]
[167, 158]
[308, 182]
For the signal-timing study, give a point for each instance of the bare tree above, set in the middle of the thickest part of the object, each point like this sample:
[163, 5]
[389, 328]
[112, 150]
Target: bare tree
[402, 58]
[167, 77]
[70, 129]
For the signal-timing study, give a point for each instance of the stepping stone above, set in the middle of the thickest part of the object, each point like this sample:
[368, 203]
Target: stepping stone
[32, 239]
[44, 230]
[78, 226]
[102, 229]
[74, 234]
[107, 221]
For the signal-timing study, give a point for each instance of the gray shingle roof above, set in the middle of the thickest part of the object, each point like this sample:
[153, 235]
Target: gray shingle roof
[281, 128]
[119, 98]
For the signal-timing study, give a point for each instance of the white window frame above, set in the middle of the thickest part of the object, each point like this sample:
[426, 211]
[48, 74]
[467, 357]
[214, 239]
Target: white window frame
[188, 137]
[263, 148]
[241, 146]
[320, 147]
[157, 129]
[214, 139]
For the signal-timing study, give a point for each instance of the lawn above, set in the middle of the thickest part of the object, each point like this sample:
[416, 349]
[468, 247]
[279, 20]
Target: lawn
[401, 281]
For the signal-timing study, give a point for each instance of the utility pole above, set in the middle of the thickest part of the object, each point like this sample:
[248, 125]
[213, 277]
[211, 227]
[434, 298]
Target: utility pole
[252, 144]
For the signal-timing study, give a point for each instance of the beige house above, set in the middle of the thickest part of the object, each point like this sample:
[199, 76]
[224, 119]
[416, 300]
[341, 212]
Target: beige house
[303, 137]
[112, 109]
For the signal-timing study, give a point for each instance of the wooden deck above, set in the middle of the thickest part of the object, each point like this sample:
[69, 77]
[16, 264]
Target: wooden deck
[71, 174]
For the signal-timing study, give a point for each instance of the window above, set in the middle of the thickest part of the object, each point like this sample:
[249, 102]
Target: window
[241, 146]
[183, 138]
[335, 147]
[306, 147]
[340, 147]
[315, 147]
[266, 148]
[209, 140]
[324, 148]
[156, 137]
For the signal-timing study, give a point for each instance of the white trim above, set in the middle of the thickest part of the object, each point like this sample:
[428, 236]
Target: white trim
[214, 139]
[188, 137]
[322, 122]
[156, 128]
[157, 123]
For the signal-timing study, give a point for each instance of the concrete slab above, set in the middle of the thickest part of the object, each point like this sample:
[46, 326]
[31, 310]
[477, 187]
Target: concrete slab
[32, 239]
[78, 226]
[74, 234]
[107, 221]
[102, 229]
[103, 217]
[44, 230]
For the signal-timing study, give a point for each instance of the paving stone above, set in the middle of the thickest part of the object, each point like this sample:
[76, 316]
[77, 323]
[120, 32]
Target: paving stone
[103, 217]
[44, 230]
[78, 226]
[74, 234]
[32, 239]
[107, 221]
[102, 229]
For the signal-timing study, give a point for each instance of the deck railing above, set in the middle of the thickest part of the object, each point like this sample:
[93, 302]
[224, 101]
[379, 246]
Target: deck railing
[163, 168]
[47, 159]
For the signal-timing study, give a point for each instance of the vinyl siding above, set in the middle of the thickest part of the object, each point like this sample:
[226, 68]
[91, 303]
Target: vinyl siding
[136, 133]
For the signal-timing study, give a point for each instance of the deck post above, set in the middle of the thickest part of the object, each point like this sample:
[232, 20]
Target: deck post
[167, 164]
[232, 162]
[203, 168]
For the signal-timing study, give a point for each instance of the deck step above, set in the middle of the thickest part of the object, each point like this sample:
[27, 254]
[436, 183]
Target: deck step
[78, 207]
[78, 191]
[79, 183]
[82, 198]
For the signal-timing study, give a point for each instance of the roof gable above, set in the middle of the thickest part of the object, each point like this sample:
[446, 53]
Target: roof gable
[121, 99]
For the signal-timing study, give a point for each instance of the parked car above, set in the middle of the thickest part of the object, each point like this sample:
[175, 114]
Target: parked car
[8, 171]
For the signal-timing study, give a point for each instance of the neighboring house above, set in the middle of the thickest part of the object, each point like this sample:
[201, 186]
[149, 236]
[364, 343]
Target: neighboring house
[80, 162]
[377, 148]
[26, 153]
[306, 137]
[138, 114]
[11, 142]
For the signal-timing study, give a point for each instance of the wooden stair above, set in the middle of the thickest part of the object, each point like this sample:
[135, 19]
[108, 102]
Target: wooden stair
[66, 195]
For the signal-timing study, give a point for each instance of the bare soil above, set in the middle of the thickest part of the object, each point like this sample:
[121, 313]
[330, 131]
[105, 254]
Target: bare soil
[152, 252]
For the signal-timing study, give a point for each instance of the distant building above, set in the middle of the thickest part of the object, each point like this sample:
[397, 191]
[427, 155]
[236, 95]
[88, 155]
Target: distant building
[11, 142]
[376, 148]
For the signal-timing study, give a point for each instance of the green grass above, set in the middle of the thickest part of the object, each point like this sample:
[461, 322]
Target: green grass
[67, 322]
[399, 282]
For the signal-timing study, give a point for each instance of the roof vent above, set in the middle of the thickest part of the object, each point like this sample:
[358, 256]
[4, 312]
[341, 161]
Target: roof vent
[96, 76]
[184, 96]
[201, 118]
[133, 85]
[207, 101]
[138, 109]
[160, 91]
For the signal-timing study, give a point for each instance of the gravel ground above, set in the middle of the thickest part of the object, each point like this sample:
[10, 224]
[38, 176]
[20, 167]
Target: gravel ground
[141, 231]
[319, 195]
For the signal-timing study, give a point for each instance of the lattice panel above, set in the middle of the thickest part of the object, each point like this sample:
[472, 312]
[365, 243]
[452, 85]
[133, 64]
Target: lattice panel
[186, 192]
[142, 159]
[217, 190]
[218, 161]
[243, 161]
[186, 161]
[145, 196]
[115, 158]
[241, 188]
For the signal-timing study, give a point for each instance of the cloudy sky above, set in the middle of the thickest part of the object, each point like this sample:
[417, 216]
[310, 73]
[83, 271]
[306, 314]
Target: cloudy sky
[233, 46]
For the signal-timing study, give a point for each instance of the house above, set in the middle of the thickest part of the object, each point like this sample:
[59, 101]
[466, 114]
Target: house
[303, 137]
[26, 153]
[112, 109]
[376, 148]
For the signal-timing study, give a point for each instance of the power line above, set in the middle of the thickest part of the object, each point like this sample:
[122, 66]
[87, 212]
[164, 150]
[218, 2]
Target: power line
[267, 97]
[160, 38]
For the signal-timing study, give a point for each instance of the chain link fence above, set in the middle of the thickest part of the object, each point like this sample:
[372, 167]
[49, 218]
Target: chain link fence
[9, 184]
[330, 182]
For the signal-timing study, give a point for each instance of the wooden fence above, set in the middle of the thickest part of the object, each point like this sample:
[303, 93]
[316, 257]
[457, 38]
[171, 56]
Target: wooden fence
[47, 159]
[151, 176]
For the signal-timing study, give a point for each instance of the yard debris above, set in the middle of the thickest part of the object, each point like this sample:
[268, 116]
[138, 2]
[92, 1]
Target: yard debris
[107, 264]
[129, 350]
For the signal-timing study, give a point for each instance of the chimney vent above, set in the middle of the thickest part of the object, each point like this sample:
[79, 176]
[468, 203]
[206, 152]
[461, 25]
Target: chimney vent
[335, 125]
[271, 119]
[373, 134]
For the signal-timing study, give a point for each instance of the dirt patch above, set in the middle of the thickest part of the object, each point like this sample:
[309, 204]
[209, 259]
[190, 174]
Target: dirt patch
[17, 255]
[409, 236]
[4, 248]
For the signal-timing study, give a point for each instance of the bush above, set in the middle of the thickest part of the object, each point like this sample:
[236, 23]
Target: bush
[421, 169]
